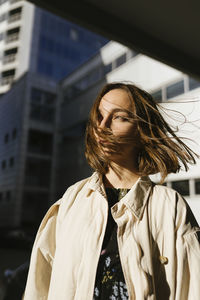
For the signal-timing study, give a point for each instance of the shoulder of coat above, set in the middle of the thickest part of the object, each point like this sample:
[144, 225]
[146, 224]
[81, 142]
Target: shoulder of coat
[166, 196]
[70, 195]
[76, 186]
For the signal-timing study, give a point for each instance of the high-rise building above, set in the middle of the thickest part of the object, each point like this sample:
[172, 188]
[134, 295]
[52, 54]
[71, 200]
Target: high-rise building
[28, 120]
[32, 39]
[37, 49]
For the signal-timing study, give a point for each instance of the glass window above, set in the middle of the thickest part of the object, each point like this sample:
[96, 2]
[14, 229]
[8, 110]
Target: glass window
[107, 68]
[34, 206]
[193, 83]
[15, 14]
[47, 114]
[13, 31]
[1, 36]
[94, 76]
[3, 164]
[11, 161]
[197, 186]
[14, 133]
[49, 98]
[42, 114]
[175, 89]
[8, 73]
[11, 51]
[43, 105]
[157, 96]
[69, 93]
[36, 95]
[45, 66]
[38, 172]
[42, 97]
[15, 11]
[12, 34]
[181, 186]
[120, 60]
[6, 138]
[35, 113]
[40, 142]
[81, 85]
[8, 195]
[10, 55]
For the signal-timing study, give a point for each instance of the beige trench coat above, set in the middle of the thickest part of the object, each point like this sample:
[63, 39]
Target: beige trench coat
[157, 238]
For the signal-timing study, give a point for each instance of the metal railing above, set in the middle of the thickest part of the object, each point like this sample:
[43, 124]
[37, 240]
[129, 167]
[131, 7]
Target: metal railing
[7, 80]
[14, 18]
[9, 58]
[12, 37]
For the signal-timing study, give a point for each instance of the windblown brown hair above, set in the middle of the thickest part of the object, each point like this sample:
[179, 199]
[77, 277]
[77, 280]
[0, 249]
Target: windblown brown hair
[160, 149]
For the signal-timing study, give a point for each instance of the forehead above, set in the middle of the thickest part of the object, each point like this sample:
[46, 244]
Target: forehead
[115, 99]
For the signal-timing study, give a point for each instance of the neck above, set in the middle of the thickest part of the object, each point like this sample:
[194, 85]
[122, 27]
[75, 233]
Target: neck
[119, 176]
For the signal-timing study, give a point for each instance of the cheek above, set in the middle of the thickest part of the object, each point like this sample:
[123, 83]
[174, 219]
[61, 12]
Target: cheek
[125, 130]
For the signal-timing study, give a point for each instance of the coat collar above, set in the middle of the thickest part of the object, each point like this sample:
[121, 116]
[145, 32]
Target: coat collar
[135, 199]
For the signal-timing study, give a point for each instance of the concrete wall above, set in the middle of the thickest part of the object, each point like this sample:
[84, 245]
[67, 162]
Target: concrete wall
[12, 108]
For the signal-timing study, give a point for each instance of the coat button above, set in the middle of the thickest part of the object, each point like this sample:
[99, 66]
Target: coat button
[163, 260]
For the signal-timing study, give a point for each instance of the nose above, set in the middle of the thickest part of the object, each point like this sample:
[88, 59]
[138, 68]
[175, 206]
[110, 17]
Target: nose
[104, 123]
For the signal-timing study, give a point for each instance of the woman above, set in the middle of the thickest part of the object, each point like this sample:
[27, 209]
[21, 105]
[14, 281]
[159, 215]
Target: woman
[117, 235]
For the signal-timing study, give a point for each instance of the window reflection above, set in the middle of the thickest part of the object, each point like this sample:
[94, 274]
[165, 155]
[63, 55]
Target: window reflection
[181, 186]
[197, 186]
[157, 96]
[175, 89]
[193, 83]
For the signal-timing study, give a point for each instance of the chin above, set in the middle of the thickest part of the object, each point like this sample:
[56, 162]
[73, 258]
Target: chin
[111, 154]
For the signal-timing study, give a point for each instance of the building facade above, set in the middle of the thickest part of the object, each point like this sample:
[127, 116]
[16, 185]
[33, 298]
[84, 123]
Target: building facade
[32, 39]
[177, 92]
[37, 49]
[28, 118]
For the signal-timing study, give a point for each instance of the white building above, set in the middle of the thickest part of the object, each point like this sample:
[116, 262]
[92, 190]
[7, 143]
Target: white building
[16, 22]
[172, 88]
[32, 39]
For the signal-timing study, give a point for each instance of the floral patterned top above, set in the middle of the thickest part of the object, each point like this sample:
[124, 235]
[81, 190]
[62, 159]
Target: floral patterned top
[110, 283]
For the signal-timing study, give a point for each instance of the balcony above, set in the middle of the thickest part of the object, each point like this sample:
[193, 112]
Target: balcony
[9, 58]
[15, 14]
[14, 18]
[10, 55]
[7, 77]
[7, 80]
[12, 35]
[12, 38]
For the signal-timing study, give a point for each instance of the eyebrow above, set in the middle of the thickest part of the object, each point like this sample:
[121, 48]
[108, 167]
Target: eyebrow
[118, 110]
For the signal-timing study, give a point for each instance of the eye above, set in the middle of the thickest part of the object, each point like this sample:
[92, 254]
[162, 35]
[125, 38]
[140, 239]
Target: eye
[121, 118]
[99, 116]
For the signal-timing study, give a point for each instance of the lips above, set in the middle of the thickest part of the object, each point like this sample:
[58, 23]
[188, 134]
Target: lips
[103, 142]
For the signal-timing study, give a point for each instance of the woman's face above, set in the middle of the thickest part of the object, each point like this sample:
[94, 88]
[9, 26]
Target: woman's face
[114, 114]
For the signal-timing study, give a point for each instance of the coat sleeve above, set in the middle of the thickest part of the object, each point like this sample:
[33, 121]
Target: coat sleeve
[188, 254]
[192, 242]
[39, 275]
